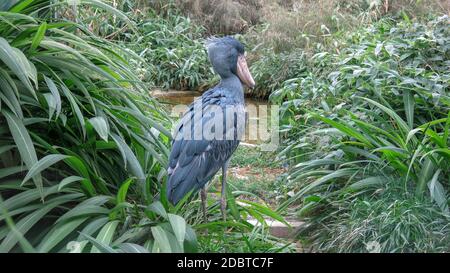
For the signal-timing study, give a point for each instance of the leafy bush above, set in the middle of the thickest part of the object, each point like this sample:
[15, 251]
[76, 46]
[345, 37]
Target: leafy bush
[270, 71]
[82, 146]
[386, 98]
[170, 45]
[173, 47]
[292, 32]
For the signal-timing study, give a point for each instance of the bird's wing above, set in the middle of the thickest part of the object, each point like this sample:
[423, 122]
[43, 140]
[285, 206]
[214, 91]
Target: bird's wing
[193, 162]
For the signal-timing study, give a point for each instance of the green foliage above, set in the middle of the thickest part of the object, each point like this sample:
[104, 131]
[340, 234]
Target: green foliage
[169, 45]
[270, 71]
[290, 33]
[386, 219]
[173, 48]
[250, 242]
[253, 156]
[378, 111]
[83, 148]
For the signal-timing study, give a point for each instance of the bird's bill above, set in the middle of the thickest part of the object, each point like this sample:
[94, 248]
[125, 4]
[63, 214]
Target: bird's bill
[243, 72]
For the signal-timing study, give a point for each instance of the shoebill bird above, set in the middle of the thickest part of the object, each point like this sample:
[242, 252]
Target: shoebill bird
[207, 135]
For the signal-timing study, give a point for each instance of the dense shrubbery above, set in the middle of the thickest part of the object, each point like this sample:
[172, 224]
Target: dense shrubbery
[83, 148]
[291, 32]
[386, 98]
[170, 45]
[94, 146]
[169, 34]
[217, 16]
[272, 70]
[173, 49]
[387, 218]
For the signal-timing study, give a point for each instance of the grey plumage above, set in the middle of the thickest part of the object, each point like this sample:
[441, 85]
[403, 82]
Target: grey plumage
[193, 162]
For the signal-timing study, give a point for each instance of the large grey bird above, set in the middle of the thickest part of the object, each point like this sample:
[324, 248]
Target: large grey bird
[209, 132]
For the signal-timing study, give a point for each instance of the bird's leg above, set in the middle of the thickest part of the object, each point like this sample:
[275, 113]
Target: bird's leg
[203, 198]
[223, 196]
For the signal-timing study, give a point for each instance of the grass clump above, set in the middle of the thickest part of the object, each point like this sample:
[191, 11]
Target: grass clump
[383, 221]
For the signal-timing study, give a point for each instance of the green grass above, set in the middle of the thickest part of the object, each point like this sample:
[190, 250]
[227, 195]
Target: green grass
[253, 156]
[259, 173]
[388, 217]
[225, 242]
[261, 184]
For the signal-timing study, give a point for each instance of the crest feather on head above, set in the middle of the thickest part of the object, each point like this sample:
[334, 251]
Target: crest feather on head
[213, 42]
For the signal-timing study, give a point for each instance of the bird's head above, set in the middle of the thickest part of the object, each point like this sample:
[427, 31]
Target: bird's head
[227, 56]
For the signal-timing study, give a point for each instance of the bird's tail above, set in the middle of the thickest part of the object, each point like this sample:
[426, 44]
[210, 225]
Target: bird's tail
[181, 181]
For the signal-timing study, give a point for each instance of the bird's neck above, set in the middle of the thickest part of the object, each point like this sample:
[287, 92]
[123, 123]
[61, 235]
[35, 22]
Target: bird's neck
[233, 85]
